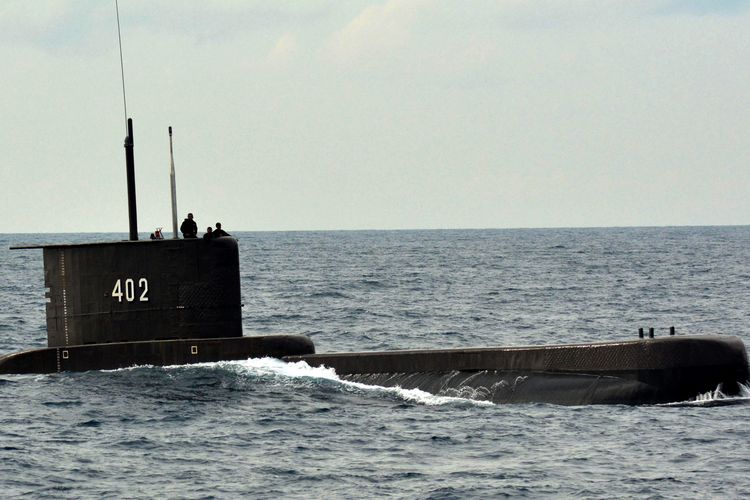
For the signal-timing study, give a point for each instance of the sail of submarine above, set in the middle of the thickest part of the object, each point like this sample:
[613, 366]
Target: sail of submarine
[153, 302]
[168, 302]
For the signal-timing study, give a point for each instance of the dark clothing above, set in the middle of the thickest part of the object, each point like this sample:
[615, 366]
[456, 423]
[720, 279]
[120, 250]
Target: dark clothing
[219, 232]
[208, 236]
[189, 228]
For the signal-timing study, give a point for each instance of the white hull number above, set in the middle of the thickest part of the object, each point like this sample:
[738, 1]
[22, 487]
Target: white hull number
[126, 289]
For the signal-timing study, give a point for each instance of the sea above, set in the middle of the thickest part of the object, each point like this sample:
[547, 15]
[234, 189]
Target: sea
[260, 428]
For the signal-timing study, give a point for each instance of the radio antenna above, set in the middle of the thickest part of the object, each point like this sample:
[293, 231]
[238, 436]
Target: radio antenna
[122, 67]
[173, 186]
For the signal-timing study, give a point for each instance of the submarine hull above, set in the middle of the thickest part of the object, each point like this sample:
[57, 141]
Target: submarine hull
[156, 302]
[115, 355]
[649, 371]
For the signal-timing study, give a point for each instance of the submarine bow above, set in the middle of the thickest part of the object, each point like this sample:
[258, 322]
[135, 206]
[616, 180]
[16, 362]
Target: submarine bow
[649, 371]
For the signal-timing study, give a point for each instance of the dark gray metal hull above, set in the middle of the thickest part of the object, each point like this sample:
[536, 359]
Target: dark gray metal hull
[650, 371]
[159, 302]
[169, 302]
[154, 352]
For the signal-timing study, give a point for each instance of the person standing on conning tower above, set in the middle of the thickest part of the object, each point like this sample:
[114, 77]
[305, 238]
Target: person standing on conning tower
[218, 232]
[189, 228]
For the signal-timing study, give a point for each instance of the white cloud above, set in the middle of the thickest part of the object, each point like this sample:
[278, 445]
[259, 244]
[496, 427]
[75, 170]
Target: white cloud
[377, 30]
[21, 16]
[284, 51]
[503, 114]
[39, 24]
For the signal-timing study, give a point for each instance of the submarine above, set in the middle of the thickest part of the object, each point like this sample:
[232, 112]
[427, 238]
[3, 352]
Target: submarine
[144, 302]
[177, 301]
[641, 371]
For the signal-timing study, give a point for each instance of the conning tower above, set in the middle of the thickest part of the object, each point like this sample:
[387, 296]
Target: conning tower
[153, 302]
[142, 290]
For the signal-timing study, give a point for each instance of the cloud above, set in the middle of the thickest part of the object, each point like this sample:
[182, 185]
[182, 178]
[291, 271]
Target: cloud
[702, 7]
[284, 51]
[47, 24]
[439, 114]
[604, 14]
[376, 31]
[221, 20]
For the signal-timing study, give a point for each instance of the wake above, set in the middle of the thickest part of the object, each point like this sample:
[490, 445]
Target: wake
[717, 398]
[300, 373]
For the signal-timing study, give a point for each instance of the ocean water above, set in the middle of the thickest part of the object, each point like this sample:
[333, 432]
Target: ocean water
[264, 429]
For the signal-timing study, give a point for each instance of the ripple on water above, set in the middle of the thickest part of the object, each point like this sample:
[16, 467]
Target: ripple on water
[270, 430]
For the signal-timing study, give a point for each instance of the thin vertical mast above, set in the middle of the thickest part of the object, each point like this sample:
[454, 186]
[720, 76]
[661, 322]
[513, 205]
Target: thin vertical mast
[122, 66]
[129, 157]
[130, 171]
[173, 185]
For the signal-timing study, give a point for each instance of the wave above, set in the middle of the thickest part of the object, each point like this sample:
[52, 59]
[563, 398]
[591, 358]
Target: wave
[717, 397]
[301, 374]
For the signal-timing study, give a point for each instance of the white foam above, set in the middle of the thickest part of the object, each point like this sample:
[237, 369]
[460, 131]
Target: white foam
[133, 367]
[717, 397]
[300, 370]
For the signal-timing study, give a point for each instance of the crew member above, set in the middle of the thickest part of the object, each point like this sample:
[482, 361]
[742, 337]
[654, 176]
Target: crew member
[189, 228]
[209, 233]
[218, 232]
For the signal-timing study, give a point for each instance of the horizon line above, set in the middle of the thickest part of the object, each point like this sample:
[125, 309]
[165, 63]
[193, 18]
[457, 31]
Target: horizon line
[516, 228]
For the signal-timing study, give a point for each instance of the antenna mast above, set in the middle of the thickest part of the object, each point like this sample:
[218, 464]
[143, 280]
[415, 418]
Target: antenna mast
[122, 66]
[174, 186]
[129, 160]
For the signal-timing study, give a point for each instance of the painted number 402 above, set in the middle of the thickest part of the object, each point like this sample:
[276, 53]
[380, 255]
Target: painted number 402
[126, 289]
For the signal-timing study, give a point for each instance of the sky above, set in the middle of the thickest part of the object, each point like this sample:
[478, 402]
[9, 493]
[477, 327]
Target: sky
[397, 114]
